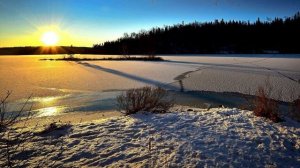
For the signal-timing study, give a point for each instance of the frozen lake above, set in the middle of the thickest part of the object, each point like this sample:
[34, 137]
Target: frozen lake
[58, 86]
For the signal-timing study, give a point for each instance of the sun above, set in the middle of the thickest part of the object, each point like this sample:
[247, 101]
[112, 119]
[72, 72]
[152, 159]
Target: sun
[49, 38]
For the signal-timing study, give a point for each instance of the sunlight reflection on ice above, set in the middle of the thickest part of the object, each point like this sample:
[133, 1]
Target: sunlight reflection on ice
[50, 111]
[48, 99]
[45, 99]
[48, 106]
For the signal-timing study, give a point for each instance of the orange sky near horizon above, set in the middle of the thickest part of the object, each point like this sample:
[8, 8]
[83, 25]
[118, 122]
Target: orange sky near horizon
[37, 38]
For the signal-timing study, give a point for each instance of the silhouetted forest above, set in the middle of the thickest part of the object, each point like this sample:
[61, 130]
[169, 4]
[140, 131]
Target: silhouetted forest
[272, 36]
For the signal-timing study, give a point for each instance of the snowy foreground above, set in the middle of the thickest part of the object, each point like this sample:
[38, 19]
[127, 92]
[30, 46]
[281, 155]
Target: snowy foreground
[187, 137]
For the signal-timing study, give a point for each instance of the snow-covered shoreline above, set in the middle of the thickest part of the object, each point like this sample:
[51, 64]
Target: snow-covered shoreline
[186, 137]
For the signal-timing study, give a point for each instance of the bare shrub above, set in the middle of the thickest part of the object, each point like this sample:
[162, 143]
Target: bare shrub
[151, 55]
[8, 119]
[295, 109]
[11, 140]
[144, 99]
[266, 107]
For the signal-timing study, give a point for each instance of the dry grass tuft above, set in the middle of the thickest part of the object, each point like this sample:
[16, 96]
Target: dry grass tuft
[54, 126]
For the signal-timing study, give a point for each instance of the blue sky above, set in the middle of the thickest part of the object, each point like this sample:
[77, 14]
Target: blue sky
[86, 22]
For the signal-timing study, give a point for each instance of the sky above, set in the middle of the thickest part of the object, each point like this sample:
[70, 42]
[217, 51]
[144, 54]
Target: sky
[88, 22]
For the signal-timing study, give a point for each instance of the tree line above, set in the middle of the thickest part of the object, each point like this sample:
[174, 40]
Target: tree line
[271, 36]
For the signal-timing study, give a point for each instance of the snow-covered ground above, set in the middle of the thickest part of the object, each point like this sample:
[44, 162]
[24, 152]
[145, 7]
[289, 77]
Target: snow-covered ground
[187, 137]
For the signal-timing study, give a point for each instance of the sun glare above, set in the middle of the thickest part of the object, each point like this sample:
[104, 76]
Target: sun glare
[49, 38]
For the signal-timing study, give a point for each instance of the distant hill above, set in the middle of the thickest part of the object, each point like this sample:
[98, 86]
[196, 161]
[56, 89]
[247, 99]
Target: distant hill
[47, 50]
